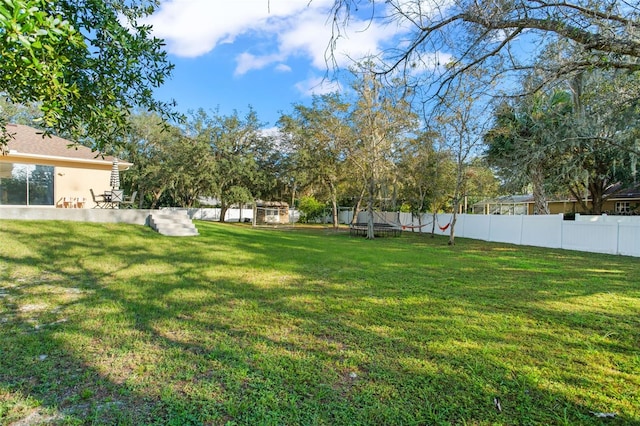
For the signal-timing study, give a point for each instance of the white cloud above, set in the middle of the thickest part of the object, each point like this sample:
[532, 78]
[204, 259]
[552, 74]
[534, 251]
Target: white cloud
[192, 28]
[317, 86]
[283, 68]
[283, 28]
[247, 62]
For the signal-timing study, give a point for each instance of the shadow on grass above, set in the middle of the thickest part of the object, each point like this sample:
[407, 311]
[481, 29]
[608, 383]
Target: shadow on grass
[256, 327]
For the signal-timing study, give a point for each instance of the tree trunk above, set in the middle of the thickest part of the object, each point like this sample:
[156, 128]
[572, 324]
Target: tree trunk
[293, 196]
[334, 212]
[370, 230]
[156, 198]
[223, 212]
[597, 197]
[577, 193]
[539, 197]
[140, 198]
[434, 216]
[357, 207]
[452, 225]
[413, 228]
[334, 205]
[456, 194]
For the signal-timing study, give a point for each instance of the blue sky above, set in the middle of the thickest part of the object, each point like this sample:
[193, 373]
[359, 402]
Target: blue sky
[265, 53]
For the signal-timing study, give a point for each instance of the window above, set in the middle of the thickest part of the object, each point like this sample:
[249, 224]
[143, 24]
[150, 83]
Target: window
[623, 206]
[271, 216]
[26, 185]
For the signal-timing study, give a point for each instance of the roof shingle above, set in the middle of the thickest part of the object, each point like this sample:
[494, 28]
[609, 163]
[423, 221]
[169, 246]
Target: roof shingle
[27, 140]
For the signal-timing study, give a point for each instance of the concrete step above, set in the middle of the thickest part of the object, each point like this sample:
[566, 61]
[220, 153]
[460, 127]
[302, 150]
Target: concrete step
[173, 224]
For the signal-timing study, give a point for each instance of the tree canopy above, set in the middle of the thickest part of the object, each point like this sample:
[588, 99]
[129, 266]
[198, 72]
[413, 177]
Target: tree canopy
[85, 63]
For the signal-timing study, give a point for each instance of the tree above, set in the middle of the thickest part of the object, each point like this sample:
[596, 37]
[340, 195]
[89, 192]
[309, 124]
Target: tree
[524, 142]
[19, 114]
[274, 176]
[489, 33]
[320, 136]
[602, 146]
[190, 169]
[145, 145]
[444, 182]
[235, 145]
[417, 173]
[85, 63]
[381, 118]
[579, 136]
[169, 167]
[481, 183]
[311, 209]
[461, 121]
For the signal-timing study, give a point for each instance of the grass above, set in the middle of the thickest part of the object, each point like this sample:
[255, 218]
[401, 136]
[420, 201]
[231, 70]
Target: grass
[115, 324]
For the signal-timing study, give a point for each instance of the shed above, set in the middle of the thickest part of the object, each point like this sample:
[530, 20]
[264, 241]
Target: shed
[271, 213]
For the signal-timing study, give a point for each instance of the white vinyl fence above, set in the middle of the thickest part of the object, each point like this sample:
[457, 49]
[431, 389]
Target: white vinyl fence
[232, 215]
[597, 234]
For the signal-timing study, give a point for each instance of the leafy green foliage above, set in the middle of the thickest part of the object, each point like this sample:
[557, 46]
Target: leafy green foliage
[524, 143]
[382, 118]
[169, 169]
[426, 175]
[311, 209]
[320, 137]
[86, 64]
[343, 146]
[576, 138]
[36, 47]
[235, 150]
[213, 155]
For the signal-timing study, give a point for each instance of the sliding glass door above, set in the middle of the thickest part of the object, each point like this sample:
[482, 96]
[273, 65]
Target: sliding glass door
[26, 185]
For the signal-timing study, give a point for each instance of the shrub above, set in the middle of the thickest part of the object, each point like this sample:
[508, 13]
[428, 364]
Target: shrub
[310, 208]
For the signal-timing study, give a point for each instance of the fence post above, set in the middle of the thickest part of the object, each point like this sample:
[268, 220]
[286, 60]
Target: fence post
[618, 237]
[562, 230]
[489, 233]
[521, 229]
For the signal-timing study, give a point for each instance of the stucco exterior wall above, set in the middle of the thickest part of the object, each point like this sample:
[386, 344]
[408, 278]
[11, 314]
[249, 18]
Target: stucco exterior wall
[73, 179]
[75, 183]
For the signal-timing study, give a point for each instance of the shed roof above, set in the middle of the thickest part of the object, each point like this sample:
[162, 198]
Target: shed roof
[261, 203]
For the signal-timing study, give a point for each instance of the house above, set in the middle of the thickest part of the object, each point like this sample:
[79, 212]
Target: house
[618, 201]
[51, 171]
[625, 201]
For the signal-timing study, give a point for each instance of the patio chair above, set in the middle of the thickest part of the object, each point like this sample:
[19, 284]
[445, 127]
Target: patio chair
[117, 197]
[68, 202]
[129, 200]
[99, 200]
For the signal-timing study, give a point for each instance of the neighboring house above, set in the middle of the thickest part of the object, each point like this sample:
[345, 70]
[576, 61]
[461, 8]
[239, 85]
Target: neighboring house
[51, 171]
[618, 202]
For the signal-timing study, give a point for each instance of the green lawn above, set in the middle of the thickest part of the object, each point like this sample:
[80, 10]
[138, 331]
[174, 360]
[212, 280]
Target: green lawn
[115, 324]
